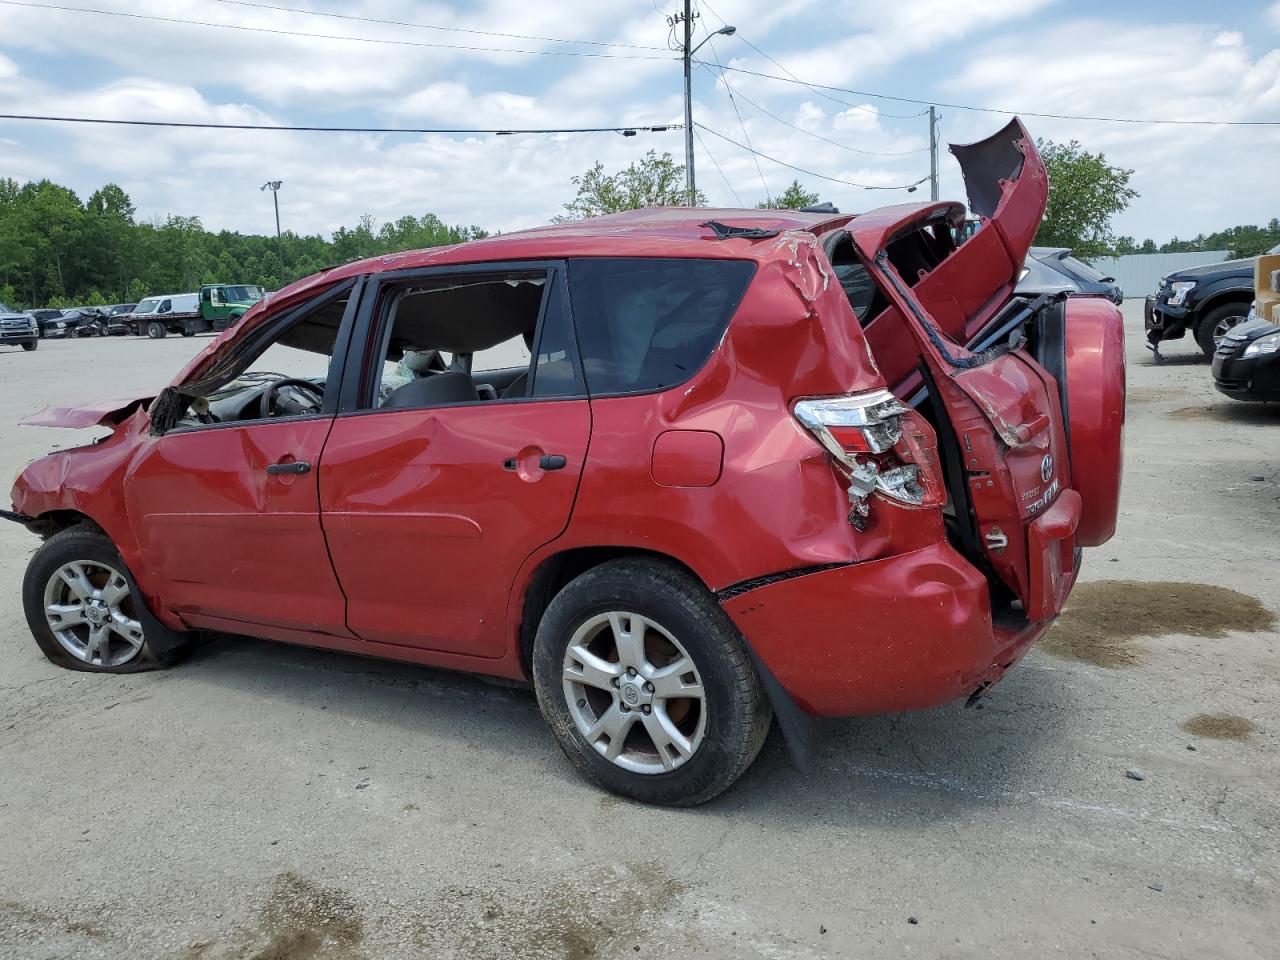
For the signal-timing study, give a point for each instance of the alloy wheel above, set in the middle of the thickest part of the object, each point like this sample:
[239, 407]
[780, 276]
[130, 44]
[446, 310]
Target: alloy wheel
[90, 610]
[1223, 327]
[634, 692]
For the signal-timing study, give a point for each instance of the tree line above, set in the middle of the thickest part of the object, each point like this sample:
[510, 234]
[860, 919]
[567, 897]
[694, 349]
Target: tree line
[56, 250]
[59, 251]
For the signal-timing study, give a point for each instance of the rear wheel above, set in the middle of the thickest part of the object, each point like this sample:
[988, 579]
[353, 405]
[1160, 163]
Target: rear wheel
[156, 330]
[646, 684]
[84, 609]
[1217, 323]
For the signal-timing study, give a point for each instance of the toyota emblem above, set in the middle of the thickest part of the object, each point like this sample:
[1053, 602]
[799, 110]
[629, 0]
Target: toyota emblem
[1046, 468]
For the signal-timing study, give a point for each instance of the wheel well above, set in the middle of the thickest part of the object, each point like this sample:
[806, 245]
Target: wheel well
[555, 572]
[55, 521]
[1218, 299]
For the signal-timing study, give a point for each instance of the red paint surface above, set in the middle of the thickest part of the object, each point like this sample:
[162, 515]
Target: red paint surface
[410, 538]
[687, 458]
[426, 526]
[901, 633]
[1095, 405]
[221, 537]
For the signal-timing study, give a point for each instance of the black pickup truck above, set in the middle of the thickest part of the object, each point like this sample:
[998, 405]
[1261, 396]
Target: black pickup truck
[1207, 300]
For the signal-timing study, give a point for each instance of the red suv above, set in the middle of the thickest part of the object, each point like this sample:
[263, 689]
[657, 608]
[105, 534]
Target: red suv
[683, 469]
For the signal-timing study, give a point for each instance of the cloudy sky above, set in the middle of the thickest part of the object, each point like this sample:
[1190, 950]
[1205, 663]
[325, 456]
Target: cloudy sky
[246, 62]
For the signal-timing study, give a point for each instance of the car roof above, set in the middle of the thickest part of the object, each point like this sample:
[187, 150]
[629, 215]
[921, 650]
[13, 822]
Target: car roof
[675, 232]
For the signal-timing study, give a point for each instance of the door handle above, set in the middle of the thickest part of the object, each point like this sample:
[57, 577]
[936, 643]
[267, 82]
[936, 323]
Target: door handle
[293, 466]
[548, 461]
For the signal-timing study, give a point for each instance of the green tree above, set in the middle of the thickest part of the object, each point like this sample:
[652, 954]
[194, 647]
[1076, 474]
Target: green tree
[795, 197]
[1085, 192]
[651, 181]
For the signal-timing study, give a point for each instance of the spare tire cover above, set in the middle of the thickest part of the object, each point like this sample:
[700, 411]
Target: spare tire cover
[1095, 405]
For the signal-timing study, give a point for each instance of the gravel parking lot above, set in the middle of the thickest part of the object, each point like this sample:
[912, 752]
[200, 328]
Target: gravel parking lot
[1116, 797]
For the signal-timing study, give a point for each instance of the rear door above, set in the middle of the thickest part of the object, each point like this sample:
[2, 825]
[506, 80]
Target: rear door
[429, 509]
[1009, 437]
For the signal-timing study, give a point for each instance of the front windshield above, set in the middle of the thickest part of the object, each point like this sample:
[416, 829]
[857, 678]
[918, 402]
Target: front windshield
[5, 308]
[147, 306]
[241, 294]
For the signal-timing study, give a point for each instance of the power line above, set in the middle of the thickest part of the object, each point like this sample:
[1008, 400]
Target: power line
[810, 173]
[329, 36]
[817, 136]
[625, 131]
[817, 87]
[814, 87]
[719, 169]
[742, 126]
[432, 26]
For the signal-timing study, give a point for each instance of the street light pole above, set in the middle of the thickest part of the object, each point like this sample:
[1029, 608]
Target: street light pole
[687, 50]
[274, 187]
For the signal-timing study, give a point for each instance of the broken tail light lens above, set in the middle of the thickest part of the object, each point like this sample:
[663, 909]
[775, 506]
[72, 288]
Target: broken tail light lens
[881, 446]
[846, 426]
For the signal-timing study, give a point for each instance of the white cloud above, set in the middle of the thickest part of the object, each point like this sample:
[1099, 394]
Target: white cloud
[1192, 178]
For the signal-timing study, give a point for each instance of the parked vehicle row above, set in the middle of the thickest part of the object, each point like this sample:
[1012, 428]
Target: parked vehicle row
[718, 491]
[214, 307]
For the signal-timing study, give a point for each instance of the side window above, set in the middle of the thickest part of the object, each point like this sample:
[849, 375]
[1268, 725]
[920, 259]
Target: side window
[166, 306]
[288, 373]
[470, 338]
[649, 324]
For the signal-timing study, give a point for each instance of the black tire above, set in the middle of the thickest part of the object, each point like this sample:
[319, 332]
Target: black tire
[30, 345]
[1225, 316]
[738, 714]
[160, 646]
[156, 330]
[187, 331]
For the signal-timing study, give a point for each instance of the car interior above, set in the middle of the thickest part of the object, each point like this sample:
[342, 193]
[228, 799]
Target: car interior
[460, 340]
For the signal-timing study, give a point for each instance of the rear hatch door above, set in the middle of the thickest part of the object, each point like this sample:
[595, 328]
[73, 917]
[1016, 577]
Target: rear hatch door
[1008, 442]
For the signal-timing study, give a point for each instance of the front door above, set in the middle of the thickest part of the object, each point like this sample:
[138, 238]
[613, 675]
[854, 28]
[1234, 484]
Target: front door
[226, 500]
[461, 459]
[230, 528]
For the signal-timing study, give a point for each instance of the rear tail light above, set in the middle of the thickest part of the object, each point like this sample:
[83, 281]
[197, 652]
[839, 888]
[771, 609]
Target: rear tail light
[880, 445]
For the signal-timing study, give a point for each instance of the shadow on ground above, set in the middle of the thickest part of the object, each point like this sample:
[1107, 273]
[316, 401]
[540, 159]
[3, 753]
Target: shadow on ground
[956, 757]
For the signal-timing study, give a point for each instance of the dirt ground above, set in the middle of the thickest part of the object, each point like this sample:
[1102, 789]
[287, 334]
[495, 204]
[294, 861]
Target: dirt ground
[1116, 797]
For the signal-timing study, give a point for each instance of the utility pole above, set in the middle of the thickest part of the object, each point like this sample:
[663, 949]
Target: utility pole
[687, 50]
[274, 187]
[687, 54]
[933, 152]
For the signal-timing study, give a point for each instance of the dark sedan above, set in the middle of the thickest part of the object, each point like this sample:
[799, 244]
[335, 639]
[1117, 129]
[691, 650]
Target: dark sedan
[1246, 363]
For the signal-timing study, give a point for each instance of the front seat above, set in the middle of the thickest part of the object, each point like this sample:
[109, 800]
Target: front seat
[453, 387]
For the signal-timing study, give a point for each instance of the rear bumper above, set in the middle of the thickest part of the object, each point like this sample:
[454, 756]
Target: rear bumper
[903, 633]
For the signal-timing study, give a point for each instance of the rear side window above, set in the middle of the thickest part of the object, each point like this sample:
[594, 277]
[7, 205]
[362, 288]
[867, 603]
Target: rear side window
[647, 324]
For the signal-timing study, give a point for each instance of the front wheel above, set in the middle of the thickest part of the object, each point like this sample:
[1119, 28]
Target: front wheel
[30, 345]
[1217, 323]
[647, 685]
[84, 609]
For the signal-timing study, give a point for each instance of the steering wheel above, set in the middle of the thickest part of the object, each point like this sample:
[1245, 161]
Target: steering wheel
[267, 404]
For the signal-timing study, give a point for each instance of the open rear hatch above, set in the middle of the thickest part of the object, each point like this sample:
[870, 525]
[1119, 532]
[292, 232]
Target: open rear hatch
[1007, 452]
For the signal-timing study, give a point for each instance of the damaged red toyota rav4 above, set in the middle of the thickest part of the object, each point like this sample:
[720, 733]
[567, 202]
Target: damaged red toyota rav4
[751, 463]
